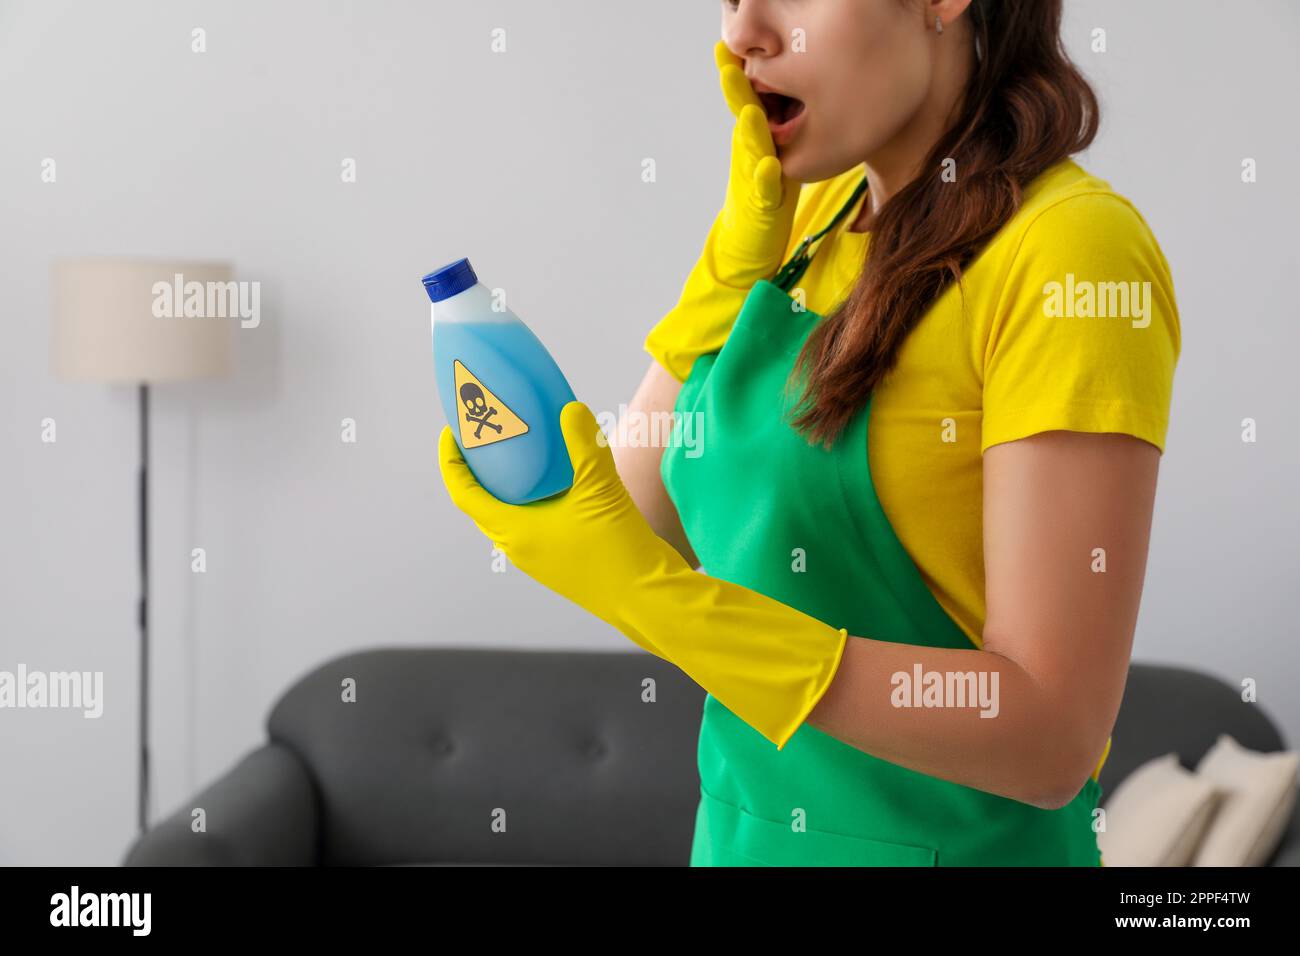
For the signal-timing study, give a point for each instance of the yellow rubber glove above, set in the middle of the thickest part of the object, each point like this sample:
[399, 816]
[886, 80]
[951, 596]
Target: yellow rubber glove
[747, 240]
[766, 662]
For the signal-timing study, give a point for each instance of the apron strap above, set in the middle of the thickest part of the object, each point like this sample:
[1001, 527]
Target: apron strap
[793, 271]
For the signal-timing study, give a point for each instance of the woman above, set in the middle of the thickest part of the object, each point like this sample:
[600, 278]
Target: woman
[934, 388]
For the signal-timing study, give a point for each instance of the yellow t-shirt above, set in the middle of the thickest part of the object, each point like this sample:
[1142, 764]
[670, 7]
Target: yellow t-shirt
[1069, 323]
[1025, 357]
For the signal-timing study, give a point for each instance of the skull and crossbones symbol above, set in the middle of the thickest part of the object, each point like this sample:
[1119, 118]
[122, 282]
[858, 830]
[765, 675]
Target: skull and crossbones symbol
[477, 409]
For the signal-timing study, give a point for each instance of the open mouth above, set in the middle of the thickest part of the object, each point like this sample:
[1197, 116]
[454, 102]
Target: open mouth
[780, 108]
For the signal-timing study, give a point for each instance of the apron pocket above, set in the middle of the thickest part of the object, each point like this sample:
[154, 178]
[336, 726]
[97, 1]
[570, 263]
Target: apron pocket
[760, 842]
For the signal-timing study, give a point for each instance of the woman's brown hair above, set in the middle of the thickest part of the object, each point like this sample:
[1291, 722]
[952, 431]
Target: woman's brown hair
[1026, 108]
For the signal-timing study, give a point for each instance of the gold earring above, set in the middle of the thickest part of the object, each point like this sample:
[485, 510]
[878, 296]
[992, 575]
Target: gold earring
[938, 26]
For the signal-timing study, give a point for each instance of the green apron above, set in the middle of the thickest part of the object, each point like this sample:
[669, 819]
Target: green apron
[757, 492]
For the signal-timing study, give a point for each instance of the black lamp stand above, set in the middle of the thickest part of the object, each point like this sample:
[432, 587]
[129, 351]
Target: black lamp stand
[143, 607]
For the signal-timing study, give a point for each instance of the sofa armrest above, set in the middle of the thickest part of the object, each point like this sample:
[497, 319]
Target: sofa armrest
[263, 812]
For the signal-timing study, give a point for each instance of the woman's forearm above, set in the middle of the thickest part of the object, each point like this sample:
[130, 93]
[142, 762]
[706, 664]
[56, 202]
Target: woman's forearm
[638, 464]
[1026, 748]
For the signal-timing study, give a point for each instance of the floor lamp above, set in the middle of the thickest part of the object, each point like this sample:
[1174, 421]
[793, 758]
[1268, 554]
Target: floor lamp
[120, 321]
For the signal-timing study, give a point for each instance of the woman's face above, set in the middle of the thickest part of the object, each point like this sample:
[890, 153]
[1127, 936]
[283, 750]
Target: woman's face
[862, 69]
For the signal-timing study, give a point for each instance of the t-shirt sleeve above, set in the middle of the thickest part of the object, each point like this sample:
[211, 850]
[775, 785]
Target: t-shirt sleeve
[1085, 334]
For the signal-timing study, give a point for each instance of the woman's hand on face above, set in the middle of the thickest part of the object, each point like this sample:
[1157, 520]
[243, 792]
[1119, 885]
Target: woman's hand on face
[754, 227]
[747, 239]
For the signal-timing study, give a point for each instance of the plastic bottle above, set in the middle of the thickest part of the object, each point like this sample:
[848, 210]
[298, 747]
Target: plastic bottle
[500, 389]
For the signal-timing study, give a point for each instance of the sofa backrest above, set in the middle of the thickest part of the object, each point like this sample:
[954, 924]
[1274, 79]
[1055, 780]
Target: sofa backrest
[498, 756]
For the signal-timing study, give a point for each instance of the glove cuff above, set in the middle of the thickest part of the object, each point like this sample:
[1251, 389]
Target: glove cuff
[765, 661]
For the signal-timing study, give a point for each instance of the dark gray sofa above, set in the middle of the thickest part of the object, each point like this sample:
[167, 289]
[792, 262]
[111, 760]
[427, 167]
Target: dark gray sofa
[443, 746]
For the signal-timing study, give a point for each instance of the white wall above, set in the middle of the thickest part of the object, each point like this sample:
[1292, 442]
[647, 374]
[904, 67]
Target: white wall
[529, 163]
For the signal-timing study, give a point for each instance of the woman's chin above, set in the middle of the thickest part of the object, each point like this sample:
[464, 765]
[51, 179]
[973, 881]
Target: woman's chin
[798, 164]
[802, 160]
[794, 162]
[805, 162]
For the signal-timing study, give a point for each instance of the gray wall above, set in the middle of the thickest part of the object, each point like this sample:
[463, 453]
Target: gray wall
[316, 547]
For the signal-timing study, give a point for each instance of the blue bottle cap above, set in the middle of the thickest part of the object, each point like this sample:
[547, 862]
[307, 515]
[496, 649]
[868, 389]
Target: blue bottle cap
[450, 279]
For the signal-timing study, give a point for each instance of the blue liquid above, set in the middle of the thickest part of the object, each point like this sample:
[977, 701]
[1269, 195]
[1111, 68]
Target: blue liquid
[510, 361]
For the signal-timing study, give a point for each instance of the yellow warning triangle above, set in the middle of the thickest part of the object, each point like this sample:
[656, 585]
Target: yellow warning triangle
[484, 418]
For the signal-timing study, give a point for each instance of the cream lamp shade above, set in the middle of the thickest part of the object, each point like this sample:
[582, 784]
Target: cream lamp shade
[115, 322]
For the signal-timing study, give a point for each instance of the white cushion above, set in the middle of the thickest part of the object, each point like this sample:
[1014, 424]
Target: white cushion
[1157, 815]
[1259, 794]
